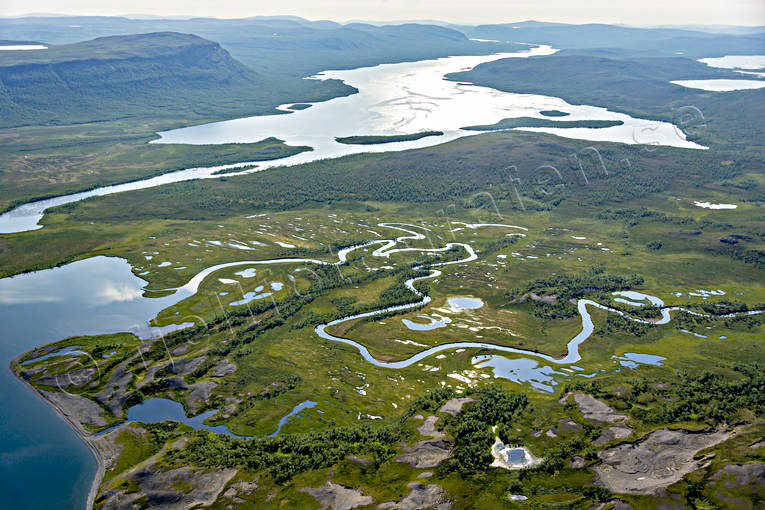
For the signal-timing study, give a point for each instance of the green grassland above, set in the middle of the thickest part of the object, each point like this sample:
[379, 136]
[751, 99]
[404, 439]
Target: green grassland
[642, 197]
[39, 162]
[581, 239]
[599, 217]
[79, 115]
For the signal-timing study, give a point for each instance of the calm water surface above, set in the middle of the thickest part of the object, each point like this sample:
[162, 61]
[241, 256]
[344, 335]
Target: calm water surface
[92, 296]
[393, 99]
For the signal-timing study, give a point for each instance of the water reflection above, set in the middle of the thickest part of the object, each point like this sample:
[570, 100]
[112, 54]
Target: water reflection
[401, 98]
[162, 409]
[519, 370]
[433, 323]
[412, 97]
[88, 297]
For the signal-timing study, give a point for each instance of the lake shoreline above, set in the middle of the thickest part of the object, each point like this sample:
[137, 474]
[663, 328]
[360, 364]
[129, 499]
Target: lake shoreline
[85, 436]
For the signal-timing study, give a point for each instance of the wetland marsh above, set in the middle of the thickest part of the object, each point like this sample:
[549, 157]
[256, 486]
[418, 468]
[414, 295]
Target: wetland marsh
[365, 301]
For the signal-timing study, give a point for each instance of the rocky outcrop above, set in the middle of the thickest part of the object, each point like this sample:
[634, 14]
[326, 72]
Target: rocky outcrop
[337, 497]
[454, 406]
[422, 496]
[662, 458]
[79, 409]
[428, 453]
[162, 489]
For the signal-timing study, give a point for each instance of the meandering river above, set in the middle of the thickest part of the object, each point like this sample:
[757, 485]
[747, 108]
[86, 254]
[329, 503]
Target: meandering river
[100, 295]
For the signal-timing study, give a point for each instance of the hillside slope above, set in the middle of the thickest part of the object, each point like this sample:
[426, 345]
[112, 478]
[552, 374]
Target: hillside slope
[159, 75]
[649, 41]
[286, 46]
[639, 87]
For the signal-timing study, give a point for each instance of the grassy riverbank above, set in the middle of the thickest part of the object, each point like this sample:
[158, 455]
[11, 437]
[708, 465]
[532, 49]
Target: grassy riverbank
[551, 222]
[257, 361]
[42, 162]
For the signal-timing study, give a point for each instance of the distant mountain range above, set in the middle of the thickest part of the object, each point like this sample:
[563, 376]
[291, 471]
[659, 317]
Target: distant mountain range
[159, 74]
[258, 63]
[171, 75]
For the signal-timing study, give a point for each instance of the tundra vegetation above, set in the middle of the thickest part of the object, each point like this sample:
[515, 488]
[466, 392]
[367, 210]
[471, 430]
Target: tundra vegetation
[551, 222]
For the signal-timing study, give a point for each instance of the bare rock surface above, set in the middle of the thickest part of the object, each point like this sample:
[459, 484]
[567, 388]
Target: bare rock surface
[78, 408]
[596, 410]
[245, 487]
[201, 488]
[662, 458]
[360, 460]
[335, 496]
[429, 428]
[223, 367]
[121, 501]
[185, 366]
[426, 454]
[611, 434]
[115, 392]
[239, 489]
[421, 496]
[200, 394]
[567, 425]
[150, 373]
[76, 378]
[177, 383]
[182, 349]
[454, 406]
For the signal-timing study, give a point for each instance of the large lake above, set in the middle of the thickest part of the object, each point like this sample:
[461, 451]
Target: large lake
[37, 448]
[393, 99]
[411, 97]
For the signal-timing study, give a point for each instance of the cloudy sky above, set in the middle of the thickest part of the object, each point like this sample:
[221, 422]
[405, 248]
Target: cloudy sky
[733, 12]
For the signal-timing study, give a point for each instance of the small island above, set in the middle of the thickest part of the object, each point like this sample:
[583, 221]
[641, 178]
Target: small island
[378, 139]
[554, 113]
[526, 122]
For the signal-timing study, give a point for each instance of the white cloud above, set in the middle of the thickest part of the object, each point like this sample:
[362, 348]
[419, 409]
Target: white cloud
[119, 292]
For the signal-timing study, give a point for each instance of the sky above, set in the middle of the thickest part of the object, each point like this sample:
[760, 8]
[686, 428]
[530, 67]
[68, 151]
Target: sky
[728, 12]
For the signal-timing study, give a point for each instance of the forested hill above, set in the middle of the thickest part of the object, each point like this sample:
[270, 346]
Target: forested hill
[664, 41]
[640, 87]
[286, 46]
[159, 74]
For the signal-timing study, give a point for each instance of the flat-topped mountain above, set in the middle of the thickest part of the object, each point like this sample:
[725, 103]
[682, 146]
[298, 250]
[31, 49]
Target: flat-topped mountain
[161, 74]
